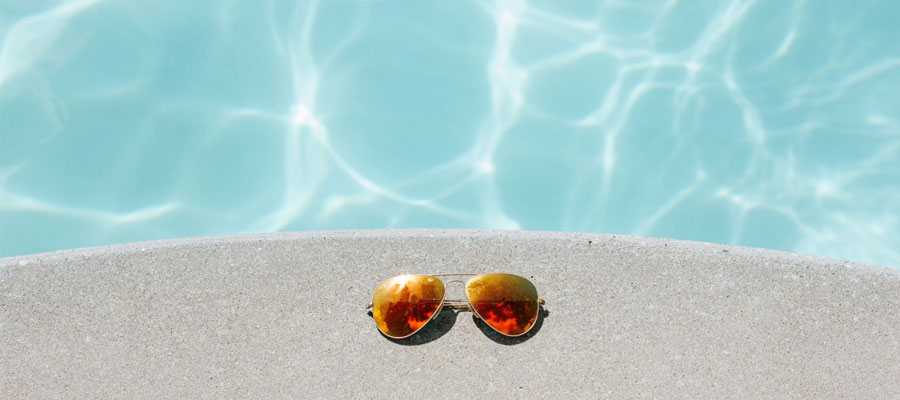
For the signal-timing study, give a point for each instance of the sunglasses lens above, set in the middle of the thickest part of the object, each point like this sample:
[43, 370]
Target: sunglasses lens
[403, 304]
[508, 303]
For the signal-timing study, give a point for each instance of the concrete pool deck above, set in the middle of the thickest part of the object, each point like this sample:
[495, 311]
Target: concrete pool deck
[282, 316]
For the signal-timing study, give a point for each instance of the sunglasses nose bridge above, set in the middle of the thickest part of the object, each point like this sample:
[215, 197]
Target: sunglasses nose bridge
[456, 303]
[447, 286]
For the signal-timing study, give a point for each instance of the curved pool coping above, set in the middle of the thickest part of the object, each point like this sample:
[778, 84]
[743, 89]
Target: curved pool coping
[280, 315]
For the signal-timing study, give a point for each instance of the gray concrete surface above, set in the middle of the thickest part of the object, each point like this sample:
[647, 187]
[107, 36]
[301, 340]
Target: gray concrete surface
[282, 316]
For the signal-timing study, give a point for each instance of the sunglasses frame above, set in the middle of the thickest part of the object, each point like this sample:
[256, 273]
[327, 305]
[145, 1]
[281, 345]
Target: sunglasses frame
[458, 304]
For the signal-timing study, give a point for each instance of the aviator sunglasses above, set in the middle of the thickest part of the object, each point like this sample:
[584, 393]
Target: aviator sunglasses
[402, 305]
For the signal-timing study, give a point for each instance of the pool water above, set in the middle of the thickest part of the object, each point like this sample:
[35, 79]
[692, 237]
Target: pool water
[762, 123]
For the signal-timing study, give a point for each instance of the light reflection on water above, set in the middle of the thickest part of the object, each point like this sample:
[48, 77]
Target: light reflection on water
[760, 123]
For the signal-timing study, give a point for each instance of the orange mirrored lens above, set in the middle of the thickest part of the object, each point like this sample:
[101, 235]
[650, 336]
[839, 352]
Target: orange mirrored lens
[508, 303]
[405, 303]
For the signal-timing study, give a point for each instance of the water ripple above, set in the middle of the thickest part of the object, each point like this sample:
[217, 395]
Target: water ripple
[769, 124]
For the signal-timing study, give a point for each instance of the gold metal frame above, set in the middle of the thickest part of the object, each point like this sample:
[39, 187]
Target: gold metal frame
[458, 304]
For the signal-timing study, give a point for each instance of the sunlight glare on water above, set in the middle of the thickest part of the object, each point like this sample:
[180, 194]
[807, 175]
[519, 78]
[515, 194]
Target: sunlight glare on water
[762, 123]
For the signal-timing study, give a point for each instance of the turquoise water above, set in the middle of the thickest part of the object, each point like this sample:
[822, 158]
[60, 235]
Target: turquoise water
[762, 123]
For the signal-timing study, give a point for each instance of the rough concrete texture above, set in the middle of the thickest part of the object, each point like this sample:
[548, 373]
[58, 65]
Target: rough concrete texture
[282, 316]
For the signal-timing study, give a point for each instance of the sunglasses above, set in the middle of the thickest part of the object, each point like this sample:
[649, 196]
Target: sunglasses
[403, 304]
